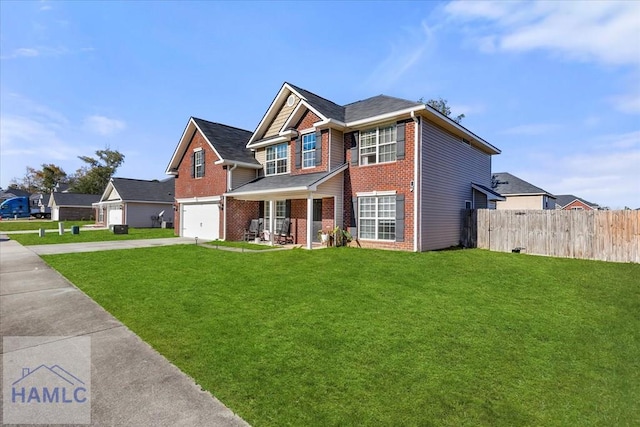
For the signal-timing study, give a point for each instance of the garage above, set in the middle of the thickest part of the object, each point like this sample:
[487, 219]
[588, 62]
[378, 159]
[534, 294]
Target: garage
[201, 221]
[115, 215]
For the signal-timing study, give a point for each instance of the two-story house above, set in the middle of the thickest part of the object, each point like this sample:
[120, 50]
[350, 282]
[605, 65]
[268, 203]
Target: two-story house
[395, 173]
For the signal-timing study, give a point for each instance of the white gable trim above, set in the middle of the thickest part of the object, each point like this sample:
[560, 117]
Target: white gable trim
[110, 187]
[185, 140]
[273, 110]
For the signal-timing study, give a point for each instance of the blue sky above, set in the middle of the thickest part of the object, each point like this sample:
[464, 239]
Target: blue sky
[554, 85]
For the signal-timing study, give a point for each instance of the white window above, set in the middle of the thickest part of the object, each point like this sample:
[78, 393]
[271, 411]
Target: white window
[309, 150]
[281, 212]
[577, 208]
[377, 217]
[378, 145]
[198, 164]
[277, 159]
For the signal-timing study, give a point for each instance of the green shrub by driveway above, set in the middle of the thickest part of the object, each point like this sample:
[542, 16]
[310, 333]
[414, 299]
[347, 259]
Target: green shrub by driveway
[361, 337]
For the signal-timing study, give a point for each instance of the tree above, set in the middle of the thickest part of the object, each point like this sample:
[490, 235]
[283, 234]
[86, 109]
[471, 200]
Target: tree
[49, 176]
[27, 182]
[95, 175]
[442, 106]
[40, 180]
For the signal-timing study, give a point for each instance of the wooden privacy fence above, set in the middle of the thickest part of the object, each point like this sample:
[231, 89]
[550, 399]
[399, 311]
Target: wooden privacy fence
[599, 235]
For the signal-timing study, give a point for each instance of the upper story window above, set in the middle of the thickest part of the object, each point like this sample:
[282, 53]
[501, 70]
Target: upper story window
[198, 164]
[378, 145]
[277, 159]
[309, 150]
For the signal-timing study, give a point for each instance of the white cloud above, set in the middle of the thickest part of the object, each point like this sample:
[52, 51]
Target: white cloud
[405, 53]
[22, 136]
[629, 104]
[606, 32]
[103, 125]
[45, 5]
[607, 171]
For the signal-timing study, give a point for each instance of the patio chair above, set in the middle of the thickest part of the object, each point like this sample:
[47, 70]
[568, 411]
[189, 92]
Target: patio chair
[253, 231]
[282, 236]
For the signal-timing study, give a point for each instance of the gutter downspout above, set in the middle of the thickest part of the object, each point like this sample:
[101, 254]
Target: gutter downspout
[224, 201]
[417, 187]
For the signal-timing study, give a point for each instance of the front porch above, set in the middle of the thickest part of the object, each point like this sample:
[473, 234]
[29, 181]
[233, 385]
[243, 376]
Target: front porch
[311, 203]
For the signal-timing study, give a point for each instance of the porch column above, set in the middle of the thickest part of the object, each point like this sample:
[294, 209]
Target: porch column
[310, 221]
[272, 219]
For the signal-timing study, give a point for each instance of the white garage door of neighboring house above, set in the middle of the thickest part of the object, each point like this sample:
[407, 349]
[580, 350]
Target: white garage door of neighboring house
[115, 215]
[201, 221]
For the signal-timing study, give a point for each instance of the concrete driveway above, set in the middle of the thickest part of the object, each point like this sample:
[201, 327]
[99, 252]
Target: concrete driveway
[64, 248]
[131, 383]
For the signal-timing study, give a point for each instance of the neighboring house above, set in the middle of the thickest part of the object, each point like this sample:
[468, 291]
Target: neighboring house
[571, 202]
[136, 202]
[40, 201]
[72, 206]
[13, 192]
[395, 173]
[520, 194]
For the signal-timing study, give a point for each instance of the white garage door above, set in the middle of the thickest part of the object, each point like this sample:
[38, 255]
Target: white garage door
[201, 221]
[115, 215]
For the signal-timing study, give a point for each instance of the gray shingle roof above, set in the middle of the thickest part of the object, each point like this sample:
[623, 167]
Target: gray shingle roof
[143, 190]
[228, 141]
[564, 199]
[327, 108]
[281, 182]
[506, 184]
[375, 106]
[74, 199]
[358, 110]
[13, 192]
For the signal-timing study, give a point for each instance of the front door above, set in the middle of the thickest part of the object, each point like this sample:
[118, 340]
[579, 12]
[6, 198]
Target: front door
[317, 219]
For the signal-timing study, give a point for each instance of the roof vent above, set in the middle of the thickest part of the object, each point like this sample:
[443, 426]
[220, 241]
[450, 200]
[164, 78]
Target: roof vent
[291, 100]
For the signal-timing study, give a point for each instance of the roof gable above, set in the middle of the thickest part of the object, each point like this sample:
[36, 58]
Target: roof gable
[508, 184]
[376, 106]
[73, 199]
[273, 121]
[139, 190]
[227, 142]
[566, 199]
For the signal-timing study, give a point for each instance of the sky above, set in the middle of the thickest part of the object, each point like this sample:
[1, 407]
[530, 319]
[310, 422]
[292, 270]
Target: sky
[554, 85]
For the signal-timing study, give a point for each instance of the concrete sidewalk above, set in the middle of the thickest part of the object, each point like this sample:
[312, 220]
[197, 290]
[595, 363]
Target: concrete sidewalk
[65, 248]
[131, 383]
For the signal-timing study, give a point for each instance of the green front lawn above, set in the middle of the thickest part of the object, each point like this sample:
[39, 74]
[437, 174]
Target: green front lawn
[348, 336]
[52, 238]
[24, 225]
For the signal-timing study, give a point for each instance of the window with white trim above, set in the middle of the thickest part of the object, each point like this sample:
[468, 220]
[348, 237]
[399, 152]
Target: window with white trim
[198, 164]
[377, 217]
[309, 150]
[281, 212]
[277, 159]
[378, 145]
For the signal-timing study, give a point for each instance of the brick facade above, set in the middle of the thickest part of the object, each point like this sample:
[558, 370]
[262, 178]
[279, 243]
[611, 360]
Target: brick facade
[306, 123]
[577, 204]
[76, 214]
[213, 183]
[238, 215]
[395, 176]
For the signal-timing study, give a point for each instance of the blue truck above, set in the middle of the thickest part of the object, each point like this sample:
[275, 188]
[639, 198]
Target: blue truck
[18, 207]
